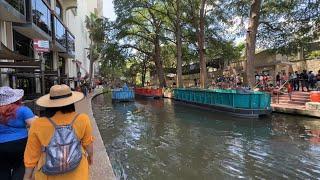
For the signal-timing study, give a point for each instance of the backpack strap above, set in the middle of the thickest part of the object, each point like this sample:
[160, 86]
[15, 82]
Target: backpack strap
[52, 122]
[74, 119]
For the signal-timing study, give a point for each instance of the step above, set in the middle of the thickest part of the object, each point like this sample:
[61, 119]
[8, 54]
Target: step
[289, 102]
[293, 99]
[298, 95]
[285, 105]
[292, 96]
[293, 103]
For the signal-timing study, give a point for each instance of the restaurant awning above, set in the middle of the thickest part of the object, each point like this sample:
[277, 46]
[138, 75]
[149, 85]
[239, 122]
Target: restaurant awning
[6, 53]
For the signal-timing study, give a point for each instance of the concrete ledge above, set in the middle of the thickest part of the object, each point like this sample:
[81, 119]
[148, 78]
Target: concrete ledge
[101, 168]
[294, 111]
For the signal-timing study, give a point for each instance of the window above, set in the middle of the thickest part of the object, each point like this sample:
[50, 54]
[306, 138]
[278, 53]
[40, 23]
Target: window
[41, 15]
[22, 44]
[60, 32]
[58, 9]
[18, 5]
[48, 57]
[70, 43]
[62, 66]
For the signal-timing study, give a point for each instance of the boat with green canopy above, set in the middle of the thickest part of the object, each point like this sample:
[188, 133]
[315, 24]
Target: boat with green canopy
[239, 102]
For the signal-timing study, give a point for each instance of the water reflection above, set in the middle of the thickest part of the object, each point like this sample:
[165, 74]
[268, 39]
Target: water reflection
[162, 139]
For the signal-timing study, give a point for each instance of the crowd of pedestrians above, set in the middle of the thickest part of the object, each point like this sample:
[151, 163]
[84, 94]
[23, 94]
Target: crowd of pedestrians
[226, 82]
[304, 81]
[56, 146]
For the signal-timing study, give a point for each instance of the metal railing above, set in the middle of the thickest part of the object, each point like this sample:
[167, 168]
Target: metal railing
[279, 90]
[19, 5]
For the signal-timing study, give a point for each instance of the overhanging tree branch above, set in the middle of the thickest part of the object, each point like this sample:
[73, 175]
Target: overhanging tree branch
[136, 48]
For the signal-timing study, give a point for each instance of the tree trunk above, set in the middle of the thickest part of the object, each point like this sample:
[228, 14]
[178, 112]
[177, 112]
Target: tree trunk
[158, 61]
[251, 40]
[201, 40]
[144, 71]
[179, 46]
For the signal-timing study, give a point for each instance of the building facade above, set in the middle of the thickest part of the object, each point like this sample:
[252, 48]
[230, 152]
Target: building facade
[62, 23]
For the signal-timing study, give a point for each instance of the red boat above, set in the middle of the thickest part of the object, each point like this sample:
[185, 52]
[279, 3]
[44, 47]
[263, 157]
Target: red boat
[149, 92]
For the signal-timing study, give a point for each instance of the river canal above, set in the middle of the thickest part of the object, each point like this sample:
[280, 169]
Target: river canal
[163, 139]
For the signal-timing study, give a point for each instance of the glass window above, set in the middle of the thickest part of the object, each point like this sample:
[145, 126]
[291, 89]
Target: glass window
[48, 57]
[62, 66]
[60, 32]
[41, 15]
[18, 5]
[22, 44]
[70, 44]
[58, 9]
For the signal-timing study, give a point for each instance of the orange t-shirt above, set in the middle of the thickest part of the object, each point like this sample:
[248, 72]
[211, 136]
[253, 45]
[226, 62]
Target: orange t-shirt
[289, 88]
[40, 134]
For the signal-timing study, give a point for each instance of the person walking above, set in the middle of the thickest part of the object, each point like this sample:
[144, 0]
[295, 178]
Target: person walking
[304, 81]
[291, 79]
[61, 132]
[318, 81]
[278, 79]
[312, 80]
[284, 78]
[296, 78]
[290, 89]
[14, 120]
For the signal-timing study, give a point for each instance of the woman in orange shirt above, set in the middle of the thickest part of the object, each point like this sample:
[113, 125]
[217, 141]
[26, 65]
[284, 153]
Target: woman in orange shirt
[60, 110]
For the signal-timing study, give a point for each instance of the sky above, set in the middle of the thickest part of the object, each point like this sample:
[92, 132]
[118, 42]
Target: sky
[108, 10]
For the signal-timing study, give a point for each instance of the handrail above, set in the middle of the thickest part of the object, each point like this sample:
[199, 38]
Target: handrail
[257, 84]
[281, 87]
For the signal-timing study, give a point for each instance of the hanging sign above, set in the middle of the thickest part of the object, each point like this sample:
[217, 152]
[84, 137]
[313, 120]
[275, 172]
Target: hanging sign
[41, 45]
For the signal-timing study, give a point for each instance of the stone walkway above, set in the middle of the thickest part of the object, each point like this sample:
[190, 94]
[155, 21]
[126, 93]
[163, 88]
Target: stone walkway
[101, 168]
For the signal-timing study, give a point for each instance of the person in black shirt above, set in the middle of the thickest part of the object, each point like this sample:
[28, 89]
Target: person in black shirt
[304, 80]
[296, 81]
[278, 79]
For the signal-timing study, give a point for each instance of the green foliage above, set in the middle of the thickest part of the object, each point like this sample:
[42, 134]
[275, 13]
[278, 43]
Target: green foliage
[283, 25]
[314, 54]
[129, 46]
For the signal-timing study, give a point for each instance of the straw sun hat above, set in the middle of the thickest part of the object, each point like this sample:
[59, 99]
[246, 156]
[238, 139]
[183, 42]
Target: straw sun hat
[9, 95]
[59, 96]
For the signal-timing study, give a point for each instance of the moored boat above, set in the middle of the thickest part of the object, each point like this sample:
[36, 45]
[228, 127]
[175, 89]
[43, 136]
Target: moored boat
[235, 102]
[124, 94]
[149, 92]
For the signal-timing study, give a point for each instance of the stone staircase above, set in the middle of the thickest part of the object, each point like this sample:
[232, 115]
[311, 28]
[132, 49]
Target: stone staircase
[298, 99]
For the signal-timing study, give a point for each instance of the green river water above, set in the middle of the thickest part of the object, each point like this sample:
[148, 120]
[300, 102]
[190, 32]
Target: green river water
[163, 139]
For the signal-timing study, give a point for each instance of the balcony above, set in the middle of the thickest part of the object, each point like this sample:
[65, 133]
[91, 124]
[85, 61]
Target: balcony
[39, 24]
[60, 35]
[70, 42]
[13, 10]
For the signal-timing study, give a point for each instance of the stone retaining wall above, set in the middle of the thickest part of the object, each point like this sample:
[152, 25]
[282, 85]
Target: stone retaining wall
[101, 168]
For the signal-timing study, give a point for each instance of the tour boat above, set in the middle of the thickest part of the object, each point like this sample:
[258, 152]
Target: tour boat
[235, 102]
[149, 92]
[124, 94]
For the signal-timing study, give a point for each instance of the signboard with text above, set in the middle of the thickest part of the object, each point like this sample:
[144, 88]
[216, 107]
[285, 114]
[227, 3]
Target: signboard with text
[41, 45]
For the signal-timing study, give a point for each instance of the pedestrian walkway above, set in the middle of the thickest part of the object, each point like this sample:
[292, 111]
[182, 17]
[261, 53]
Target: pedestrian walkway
[101, 168]
[297, 104]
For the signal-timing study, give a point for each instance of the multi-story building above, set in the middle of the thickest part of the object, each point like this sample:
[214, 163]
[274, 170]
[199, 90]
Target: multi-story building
[62, 23]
